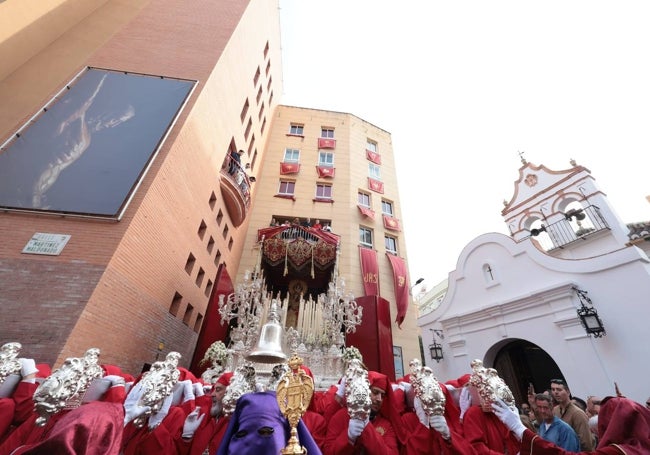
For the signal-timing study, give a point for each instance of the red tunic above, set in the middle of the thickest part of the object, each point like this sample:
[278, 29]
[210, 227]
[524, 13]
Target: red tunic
[207, 436]
[162, 440]
[317, 426]
[7, 409]
[426, 441]
[94, 428]
[377, 438]
[28, 433]
[533, 443]
[487, 434]
[22, 396]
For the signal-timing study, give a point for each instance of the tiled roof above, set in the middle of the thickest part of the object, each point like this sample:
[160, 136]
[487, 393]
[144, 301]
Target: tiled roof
[639, 231]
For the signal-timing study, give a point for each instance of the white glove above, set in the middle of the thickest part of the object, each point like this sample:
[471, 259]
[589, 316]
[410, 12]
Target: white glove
[192, 422]
[131, 407]
[188, 390]
[419, 411]
[465, 401]
[509, 417]
[439, 423]
[406, 387]
[114, 379]
[340, 389]
[198, 389]
[157, 418]
[355, 428]
[28, 367]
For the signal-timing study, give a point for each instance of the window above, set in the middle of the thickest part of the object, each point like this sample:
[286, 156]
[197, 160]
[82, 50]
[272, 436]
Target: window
[176, 303]
[323, 191]
[257, 76]
[387, 208]
[189, 264]
[188, 314]
[248, 128]
[202, 228]
[266, 49]
[326, 159]
[391, 244]
[287, 188]
[252, 144]
[364, 199]
[327, 133]
[291, 156]
[374, 171]
[261, 112]
[371, 145]
[365, 237]
[268, 68]
[244, 111]
[296, 130]
[197, 323]
[200, 276]
[259, 95]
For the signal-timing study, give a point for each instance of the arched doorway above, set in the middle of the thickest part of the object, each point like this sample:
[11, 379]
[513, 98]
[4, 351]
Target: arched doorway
[520, 363]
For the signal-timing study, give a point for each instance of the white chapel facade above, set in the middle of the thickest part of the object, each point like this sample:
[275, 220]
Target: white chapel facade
[513, 300]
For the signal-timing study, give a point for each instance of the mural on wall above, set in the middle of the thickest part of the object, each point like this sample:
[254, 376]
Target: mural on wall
[85, 153]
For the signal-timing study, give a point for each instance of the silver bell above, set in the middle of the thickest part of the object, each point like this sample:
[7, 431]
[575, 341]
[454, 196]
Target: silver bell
[269, 348]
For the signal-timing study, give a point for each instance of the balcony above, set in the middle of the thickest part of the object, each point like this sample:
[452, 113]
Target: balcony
[236, 191]
[577, 225]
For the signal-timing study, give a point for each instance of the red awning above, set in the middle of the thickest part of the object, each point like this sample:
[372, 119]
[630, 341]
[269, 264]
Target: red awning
[365, 211]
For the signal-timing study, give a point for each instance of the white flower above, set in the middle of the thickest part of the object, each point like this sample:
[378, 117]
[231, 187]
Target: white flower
[216, 353]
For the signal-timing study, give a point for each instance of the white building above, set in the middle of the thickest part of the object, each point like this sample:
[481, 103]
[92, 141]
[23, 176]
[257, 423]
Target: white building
[513, 301]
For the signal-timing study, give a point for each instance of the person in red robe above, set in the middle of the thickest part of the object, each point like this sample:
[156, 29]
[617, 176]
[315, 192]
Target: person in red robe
[487, 434]
[16, 405]
[623, 429]
[428, 435]
[205, 426]
[376, 435]
[94, 428]
[68, 431]
[314, 421]
[162, 432]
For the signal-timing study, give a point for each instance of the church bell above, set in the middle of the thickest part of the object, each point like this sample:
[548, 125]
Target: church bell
[269, 348]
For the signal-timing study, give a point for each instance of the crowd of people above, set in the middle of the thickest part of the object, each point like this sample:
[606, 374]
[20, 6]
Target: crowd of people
[306, 223]
[169, 410]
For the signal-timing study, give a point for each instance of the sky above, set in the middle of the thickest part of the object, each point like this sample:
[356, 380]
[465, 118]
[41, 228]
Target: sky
[465, 86]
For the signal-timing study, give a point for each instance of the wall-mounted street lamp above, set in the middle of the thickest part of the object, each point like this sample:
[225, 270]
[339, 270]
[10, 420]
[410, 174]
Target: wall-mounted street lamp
[589, 316]
[435, 348]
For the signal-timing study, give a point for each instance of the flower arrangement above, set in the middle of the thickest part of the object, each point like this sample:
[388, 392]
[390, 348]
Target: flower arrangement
[216, 353]
[350, 353]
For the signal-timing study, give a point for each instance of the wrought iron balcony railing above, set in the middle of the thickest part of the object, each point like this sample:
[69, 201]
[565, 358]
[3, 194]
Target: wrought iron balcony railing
[577, 225]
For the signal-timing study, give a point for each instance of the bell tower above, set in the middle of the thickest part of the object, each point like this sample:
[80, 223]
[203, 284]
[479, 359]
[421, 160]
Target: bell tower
[563, 212]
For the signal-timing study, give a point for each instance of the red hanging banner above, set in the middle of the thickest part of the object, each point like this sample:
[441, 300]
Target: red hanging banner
[401, 287]
[369, 270]
[391, 223]
[326, 143]
[373, 156]
[375, 185]
[289, 168]
[325, 171]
